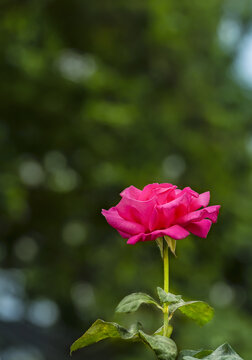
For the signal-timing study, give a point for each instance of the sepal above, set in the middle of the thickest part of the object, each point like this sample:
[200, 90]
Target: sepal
[171, 243]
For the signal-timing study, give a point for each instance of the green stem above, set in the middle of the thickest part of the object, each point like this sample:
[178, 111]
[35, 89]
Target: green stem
[166, 284]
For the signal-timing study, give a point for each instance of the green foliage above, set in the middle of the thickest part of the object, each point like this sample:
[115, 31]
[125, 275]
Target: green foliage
[133, 301]
[163, 347]
[101, 330]
[168, 298]
[197, 354]
[224, 352]
[198, 311]
[161, 329]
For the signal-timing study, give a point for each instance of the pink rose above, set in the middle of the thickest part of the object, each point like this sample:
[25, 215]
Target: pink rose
[161, 209]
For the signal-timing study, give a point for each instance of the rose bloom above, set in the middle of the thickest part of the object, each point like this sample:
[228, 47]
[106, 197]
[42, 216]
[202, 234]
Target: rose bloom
[161, 209]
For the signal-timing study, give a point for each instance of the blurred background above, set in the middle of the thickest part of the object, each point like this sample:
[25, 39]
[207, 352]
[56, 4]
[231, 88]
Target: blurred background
[96, 96]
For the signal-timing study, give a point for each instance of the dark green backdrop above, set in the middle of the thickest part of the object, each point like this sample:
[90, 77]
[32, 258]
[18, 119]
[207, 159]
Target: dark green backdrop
[96, 96]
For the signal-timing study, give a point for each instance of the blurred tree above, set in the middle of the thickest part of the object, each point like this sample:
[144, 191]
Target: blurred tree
[96, 96]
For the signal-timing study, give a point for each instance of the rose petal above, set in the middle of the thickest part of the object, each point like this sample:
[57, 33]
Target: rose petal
[202, 200]
[131, 192]
[214, 211]
[200, 228]
[188, 190]
[117, 222]
[210, 212]
[176, 232]
[161, 209]
[154, 189]
[123, 234]
[148, 191]
[167, 213]
[154, 219]
[165, 195]
[135, 210]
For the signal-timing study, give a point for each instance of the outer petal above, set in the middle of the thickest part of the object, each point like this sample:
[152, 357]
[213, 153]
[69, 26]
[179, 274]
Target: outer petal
[136, 211]
[131, 192]
[210, 212]
[200, 228]
[117, 222]
[124, 235]
[202, 200]
[176, 232]
[214, 211]
[191, 192]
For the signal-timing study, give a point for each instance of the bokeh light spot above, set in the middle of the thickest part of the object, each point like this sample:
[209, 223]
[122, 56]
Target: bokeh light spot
[74, 233]
[54, 159]
[75, 67]
[82, 295]
[31, 173]
[22, 353]
[26, 248]
[173, 166]
[43, 312]
[221, 294]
